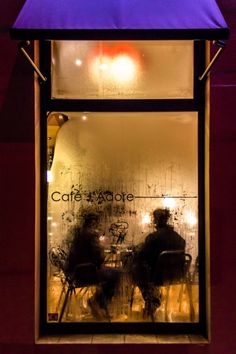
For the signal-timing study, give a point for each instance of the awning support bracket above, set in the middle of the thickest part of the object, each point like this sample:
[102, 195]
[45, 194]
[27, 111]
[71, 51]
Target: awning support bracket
[26, 55]
[221, 45]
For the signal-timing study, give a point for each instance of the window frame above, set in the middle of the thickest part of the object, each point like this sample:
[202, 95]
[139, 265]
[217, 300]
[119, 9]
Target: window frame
[196, 104]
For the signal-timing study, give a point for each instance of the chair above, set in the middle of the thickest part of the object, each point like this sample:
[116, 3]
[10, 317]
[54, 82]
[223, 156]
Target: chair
[83, 277]
[195, 274]
[173, 267]
[58, 259]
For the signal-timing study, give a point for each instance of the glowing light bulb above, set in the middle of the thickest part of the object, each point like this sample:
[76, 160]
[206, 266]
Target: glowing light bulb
[190, 218]
[84, 117]
[123, 69]
[103, 66]
[49, 176]
[145, 219]
[169, 202]
[78, 62]
[54, 224]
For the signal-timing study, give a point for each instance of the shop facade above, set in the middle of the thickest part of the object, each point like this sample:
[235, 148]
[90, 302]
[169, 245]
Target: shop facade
[58, 195]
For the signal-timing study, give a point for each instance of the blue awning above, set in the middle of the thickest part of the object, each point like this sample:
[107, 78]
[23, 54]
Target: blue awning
[120, 19]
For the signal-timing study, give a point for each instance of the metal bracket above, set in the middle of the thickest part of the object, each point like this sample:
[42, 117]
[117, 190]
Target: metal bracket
[26, 55]
[221, 45]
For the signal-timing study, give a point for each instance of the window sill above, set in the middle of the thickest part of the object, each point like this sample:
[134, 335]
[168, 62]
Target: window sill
[122, 339]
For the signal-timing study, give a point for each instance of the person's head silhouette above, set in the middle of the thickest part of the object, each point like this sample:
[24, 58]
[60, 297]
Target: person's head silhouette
[161, 217]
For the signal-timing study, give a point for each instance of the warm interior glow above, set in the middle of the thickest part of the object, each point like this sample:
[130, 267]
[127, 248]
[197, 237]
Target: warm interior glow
[169, 202]
[124, 165]
[84, 117]
[103, 63]
[119, 68]
[123, 69]
[145, 219]
[78, 62]
[49, 176]
[190, 218]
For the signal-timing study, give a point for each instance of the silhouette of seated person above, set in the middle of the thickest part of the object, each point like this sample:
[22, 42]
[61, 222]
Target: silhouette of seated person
[86, 248]
[146, 271]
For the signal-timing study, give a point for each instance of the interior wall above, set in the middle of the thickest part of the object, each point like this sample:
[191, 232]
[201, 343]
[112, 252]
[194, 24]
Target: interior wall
[121, 170]
[17, 202]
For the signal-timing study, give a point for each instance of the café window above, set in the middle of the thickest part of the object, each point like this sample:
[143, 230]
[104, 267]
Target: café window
[123, 198]
[122, 166]
[122, 156]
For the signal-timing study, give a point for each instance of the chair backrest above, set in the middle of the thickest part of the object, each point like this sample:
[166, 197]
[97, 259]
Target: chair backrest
[84, 274]
[172, 266]
[58, 258]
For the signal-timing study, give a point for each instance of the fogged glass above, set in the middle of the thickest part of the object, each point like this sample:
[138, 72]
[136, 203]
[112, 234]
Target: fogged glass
[122, 69]
[123, 188]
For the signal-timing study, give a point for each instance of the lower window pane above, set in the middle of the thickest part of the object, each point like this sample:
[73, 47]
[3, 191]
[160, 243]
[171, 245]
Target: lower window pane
[122, 217]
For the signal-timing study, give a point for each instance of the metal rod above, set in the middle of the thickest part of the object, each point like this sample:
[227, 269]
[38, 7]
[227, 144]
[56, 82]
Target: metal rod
[36, 69]
[208, 68]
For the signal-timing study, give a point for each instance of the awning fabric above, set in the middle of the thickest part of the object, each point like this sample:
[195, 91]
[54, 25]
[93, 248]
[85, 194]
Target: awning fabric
[120, 19]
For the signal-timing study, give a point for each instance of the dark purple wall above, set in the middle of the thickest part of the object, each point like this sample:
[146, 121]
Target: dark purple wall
[223, 191]
[17, 203]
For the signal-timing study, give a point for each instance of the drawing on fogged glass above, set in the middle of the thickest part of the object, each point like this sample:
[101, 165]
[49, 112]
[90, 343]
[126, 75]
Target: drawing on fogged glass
[123, 217]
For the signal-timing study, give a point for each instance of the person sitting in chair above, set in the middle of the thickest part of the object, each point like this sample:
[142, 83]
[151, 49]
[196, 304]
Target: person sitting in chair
[87, 250]
[145, 269]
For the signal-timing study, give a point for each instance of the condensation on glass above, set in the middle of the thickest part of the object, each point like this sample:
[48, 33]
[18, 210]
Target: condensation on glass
[122, 69]
[124, 166]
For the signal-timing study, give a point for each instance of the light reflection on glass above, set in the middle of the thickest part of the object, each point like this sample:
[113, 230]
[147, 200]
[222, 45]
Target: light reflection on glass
[49, 176]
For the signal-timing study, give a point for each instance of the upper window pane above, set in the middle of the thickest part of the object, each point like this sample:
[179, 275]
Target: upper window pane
[122, 69]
